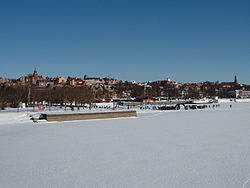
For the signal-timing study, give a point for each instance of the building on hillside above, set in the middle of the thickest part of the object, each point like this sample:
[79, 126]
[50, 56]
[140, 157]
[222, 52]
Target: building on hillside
[110, 81]
[75, 81]
[61, 80]
[93, 80]
[31, 78]
[3, 80]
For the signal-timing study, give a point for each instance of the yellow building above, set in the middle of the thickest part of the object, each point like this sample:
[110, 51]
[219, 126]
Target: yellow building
[61, 80]
[3, 80]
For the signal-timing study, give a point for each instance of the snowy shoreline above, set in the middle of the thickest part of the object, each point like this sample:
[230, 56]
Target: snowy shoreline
[11, 115]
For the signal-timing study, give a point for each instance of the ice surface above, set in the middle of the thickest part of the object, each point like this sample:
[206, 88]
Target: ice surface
[198, 148]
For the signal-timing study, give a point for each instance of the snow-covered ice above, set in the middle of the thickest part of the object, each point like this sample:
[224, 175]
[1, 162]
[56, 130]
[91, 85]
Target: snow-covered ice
[198, 148]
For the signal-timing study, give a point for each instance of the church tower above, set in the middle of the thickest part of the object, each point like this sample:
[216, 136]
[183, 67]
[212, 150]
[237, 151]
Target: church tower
[235, 80]
[35, 72]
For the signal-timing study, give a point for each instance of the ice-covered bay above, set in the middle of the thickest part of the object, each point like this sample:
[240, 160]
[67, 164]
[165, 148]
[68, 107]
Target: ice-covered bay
[200, 148]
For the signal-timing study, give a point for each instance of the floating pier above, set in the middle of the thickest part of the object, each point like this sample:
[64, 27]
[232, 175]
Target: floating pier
[88, 116]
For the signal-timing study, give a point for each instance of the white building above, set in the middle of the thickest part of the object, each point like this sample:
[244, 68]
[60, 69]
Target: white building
[243, 94]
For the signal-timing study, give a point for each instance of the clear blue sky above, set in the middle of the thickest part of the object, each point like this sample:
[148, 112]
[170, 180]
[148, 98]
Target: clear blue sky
[189, 41]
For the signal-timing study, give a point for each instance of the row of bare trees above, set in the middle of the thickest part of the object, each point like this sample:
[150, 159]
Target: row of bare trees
[78, 96]
[13, 96]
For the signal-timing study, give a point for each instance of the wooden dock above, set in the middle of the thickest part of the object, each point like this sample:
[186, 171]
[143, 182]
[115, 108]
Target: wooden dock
[88, 116]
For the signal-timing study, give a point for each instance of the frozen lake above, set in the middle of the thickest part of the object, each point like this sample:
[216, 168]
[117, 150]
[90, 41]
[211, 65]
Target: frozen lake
[197, 148]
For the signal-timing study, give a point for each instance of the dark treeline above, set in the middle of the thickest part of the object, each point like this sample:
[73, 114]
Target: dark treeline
[171, 91]
[13, 96]
[31, 96]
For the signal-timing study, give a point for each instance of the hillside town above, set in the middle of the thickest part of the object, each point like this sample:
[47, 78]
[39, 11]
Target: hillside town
[36, 88]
